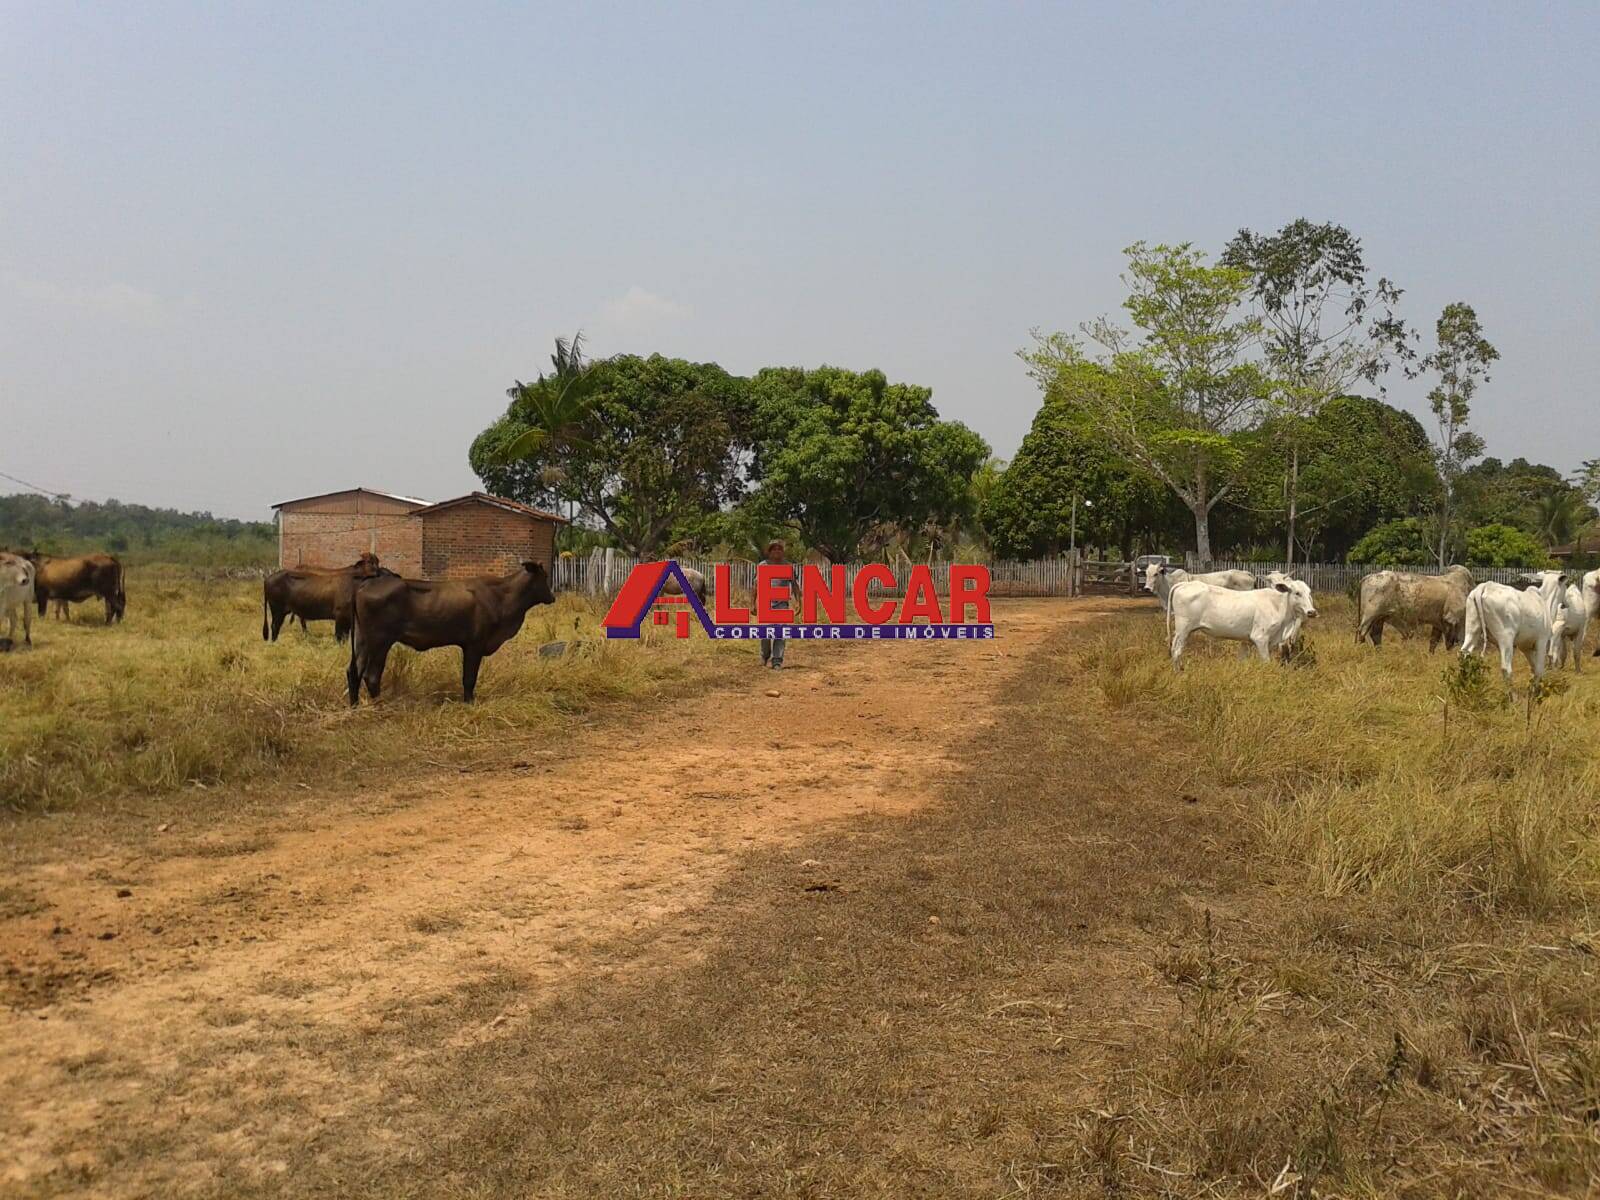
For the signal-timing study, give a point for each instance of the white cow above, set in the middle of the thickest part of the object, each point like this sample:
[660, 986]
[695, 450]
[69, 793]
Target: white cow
[1291, 638]
[1265, 618]
[1570, 623]
[1591, 603]
[1515, 619]
[1161, 579]
[16, 591]
[1233, 581]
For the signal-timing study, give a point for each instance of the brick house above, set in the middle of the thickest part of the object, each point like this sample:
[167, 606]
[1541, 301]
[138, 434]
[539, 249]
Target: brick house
[480, 534]
[475, 534]
[1586, 546]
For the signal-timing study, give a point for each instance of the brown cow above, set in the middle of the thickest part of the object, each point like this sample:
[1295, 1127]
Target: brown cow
[1438, 602]
[314, 594]
[70, 580]
[479, 615]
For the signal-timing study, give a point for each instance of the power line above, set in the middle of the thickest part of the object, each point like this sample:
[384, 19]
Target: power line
[42, 490]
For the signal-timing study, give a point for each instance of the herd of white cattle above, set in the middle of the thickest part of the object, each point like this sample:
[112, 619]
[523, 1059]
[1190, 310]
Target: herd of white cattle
[1546, 620]
[1545, 616]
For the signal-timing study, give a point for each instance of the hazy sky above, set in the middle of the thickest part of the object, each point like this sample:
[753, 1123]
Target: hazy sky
[254, 251]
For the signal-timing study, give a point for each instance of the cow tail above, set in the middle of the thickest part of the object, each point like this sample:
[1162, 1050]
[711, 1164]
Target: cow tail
[355, 635]
[1475, 626]
[122, 591]
[265, 636]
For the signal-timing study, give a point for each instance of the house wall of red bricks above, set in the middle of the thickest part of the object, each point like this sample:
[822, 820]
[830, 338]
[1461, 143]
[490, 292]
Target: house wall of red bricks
[337, 539]
[480, 539]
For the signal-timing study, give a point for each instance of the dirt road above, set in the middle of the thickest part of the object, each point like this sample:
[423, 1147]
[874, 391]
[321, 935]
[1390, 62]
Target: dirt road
[161, 1008]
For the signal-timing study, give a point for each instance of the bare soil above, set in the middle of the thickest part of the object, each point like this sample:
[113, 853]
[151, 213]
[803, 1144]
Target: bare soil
[1005, 920]
[201, 1005]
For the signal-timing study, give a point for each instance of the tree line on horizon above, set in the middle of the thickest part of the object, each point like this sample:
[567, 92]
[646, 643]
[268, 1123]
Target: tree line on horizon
[134, 532]
[1230, 411]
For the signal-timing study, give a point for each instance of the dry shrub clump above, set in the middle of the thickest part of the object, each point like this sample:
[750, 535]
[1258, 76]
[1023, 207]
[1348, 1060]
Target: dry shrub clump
[185, 692]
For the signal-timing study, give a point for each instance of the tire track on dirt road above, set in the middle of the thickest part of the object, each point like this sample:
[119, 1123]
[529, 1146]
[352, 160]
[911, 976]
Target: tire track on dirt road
[179, 1050]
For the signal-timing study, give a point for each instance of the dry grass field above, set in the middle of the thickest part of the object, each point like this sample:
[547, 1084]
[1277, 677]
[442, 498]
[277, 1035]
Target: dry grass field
[1406, 1001]
[186, 694]
[1031, 919]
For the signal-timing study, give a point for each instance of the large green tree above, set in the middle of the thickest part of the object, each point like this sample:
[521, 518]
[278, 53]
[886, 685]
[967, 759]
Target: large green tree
[659, 441]
[1175, 394]
[1325, 326]
[1460, 360]
[1494, 492]
[839, 454]
[1362, 462]
[1065, 478]
[1529, 496]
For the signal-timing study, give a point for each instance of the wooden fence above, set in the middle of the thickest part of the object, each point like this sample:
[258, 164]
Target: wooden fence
[601, 574]
[1063, 575]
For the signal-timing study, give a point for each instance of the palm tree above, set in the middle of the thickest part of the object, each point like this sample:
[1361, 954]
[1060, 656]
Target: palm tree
[556, 409]
[1559, 513]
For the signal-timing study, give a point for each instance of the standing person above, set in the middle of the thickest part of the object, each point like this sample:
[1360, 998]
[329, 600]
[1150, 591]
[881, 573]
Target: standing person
[772, 648]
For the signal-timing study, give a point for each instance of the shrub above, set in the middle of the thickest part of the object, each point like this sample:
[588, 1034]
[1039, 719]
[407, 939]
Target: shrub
[1469, 683]
[1400, 543]
[1503, 546]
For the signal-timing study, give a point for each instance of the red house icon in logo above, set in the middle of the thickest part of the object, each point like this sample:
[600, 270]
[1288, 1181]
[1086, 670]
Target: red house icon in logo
[668, 607]
[642, 595]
